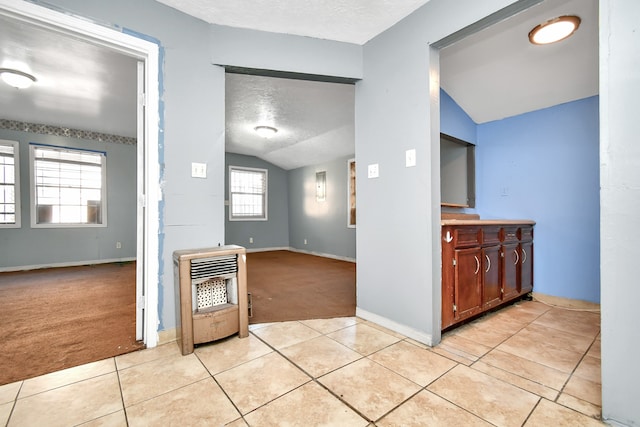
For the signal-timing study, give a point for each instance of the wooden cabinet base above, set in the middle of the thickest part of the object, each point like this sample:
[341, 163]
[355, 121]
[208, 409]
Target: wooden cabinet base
[485, 265]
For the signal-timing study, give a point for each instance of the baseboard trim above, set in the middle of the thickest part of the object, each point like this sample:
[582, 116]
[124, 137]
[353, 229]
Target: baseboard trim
[395, 326]
[324, 255]
[65, 264]
[167, 336]
[283, 248]
[302, 251]
[566, 303]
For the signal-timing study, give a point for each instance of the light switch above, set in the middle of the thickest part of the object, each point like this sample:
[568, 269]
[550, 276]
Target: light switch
[373, 171]
[198, 170]
[410, 158]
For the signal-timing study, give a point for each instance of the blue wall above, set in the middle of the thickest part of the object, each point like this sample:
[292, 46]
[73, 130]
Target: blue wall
[544, 166]
[455, 121]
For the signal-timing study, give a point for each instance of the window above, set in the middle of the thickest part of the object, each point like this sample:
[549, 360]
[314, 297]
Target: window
[247, 193]
[68, 187]
[9, 184]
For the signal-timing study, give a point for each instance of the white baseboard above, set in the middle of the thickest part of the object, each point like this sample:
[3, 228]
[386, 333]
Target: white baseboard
[324, 255]
[395, 326]
[167, 336]
[302, 251]
[65, 264]
[284, 248]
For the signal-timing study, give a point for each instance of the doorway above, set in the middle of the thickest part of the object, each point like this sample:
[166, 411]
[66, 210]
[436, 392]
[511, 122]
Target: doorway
[147, 134]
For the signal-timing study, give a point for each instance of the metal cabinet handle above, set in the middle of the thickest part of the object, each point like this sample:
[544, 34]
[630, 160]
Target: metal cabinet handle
[517, 257]
[524, 255]
[488, 263]
[477, 265]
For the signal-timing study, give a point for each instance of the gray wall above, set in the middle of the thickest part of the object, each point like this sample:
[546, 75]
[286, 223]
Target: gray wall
[273, 233]
[398, 213]
[36, 247]
[192, 121]
[323, 224]
[293, 212]
[192, 115]
[619, 207]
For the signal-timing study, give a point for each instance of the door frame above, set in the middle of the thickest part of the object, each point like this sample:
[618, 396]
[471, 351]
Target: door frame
[148, 169]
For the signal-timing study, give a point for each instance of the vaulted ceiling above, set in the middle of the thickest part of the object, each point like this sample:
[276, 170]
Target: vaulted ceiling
[492, 74]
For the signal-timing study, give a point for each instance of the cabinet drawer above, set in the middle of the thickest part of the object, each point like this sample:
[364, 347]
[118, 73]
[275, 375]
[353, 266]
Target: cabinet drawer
[525, 233]
[510, 234]
[490, 236]
[464, 237]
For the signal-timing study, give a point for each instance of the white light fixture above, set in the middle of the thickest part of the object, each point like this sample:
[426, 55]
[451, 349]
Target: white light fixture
[265, 131]
[16, 78]
[554, 30]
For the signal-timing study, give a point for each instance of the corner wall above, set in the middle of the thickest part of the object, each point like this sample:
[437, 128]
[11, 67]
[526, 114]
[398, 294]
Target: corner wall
[398, 217]
[543, 166]
[620, 204]
[323, 224]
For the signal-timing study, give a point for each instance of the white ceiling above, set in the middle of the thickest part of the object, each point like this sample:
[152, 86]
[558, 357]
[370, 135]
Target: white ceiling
[315, 120]
[79, 85]
[493, 74]
[497, 73]
[351, 21]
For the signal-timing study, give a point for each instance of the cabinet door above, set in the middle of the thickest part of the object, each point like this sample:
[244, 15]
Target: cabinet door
[468, 273]
[510, 268]
[526, 267]
[491, 287]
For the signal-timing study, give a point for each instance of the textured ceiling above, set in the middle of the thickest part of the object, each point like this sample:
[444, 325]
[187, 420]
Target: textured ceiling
[351, 21]
[497, 73]
[79, 85]
[315, 120]
[493, 74]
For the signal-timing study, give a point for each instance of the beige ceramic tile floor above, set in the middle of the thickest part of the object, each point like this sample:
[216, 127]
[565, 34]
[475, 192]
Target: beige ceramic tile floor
[526, 365]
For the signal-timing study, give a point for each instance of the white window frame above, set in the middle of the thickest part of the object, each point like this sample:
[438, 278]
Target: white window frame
[265, 196]
[103, 201]
[16, 186]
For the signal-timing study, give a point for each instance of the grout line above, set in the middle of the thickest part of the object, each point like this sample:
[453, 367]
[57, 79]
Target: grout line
[124, 407]
[15, 402]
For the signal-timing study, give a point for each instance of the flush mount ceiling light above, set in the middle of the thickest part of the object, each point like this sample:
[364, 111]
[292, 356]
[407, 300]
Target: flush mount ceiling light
[265, 131]
[554, 30]
[16, 78]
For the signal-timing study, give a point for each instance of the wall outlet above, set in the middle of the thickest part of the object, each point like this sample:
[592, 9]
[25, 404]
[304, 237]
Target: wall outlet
[410, 158]
[305, 241]
[373, 171]
[250, 239]
[118, 245]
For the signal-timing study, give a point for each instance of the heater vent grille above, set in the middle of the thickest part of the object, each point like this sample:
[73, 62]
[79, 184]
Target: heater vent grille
[207, 268]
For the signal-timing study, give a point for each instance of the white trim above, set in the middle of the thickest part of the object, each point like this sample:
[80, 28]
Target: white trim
[16, 185]
[396, 327]
[324, 255]
[167, 336]
[291, 249]
[33, 188]
[283, 248]
[266, 194]
[65, 264]
[148, 52]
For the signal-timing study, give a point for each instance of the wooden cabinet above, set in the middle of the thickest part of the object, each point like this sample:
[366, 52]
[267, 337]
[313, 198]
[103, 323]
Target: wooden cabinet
[484, 264]
[526, 259]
